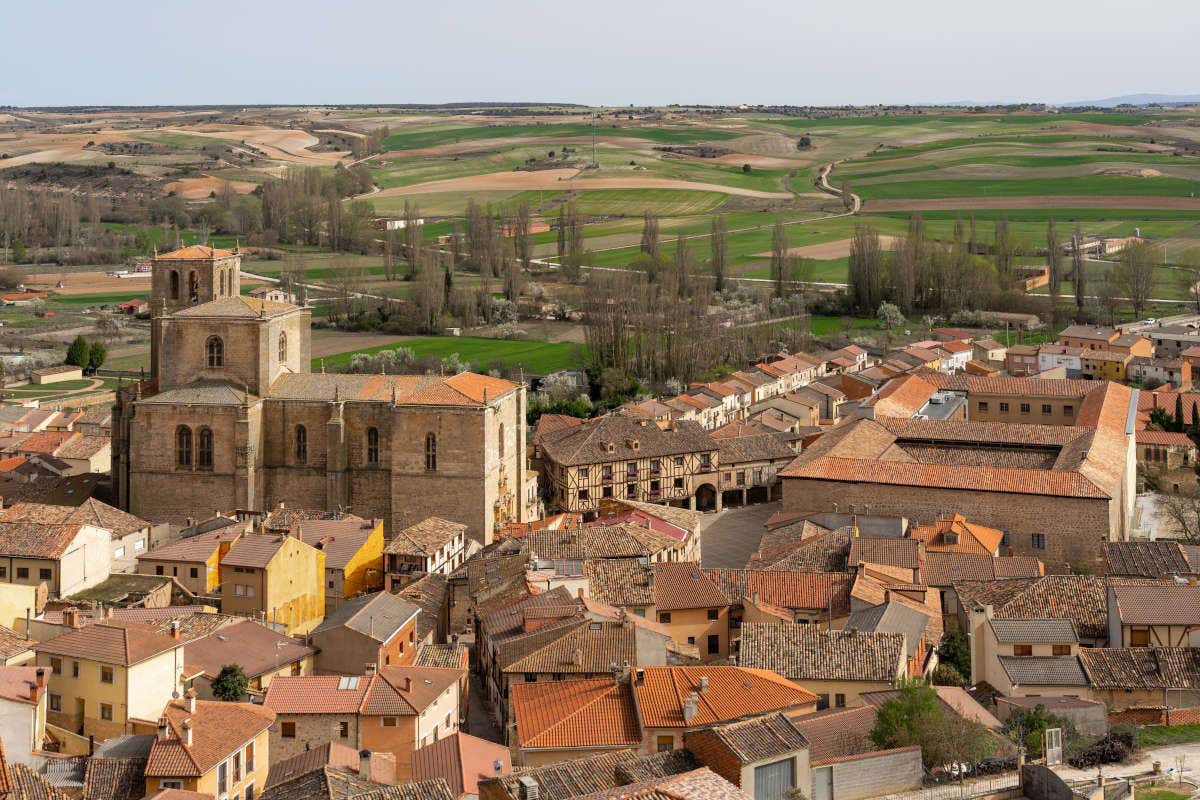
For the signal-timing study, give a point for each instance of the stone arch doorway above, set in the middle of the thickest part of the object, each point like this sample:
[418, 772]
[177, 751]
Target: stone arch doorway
[706, 497]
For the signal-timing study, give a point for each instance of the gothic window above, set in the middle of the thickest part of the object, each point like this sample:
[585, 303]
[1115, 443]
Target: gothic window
[193, 287]
[174, 285]
[283, 348]
[431, 451]
[222, 290]
[501, 440]
[216, 352]
[373, 446]
[183, 446]
[301, 444]
[204, 449]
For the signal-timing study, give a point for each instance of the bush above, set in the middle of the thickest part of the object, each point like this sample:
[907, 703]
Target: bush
[746, 167]
[889, 314]
[955, 651]
[947, 675]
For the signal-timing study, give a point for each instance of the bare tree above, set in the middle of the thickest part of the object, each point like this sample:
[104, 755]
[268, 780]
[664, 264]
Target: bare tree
[779, 257]
[1182, 510]
[1187, 274]
[866, 269]
[720, 251]
[1054, 264]
[1078, 272]
[1135, 273]
[650, 245]
[520, 235]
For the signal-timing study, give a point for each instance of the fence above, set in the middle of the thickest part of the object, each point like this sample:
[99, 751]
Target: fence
[1008, 784]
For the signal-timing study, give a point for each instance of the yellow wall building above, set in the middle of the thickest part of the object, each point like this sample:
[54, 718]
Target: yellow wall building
[275, 577]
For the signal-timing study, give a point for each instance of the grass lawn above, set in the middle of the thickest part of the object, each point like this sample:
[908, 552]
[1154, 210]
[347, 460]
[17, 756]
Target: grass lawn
[1162, 794]
[86, 300]
[635, 202]
[537, 358]
[1119, 185]
[1159, 735]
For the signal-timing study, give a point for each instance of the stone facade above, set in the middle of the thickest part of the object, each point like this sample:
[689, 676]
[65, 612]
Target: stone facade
[232, 374]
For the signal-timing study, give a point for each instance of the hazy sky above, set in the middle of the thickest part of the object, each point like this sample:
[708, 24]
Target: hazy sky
[616, 52]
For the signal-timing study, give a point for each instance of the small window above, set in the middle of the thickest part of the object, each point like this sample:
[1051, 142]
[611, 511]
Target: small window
[679, 461]
[389, 722]
[193, 286]
[56, 666]
[23, 573]
[106, 674]
[373, 447]
[194, 572]
[983, 406]
[431, 451]
[1024, 408]
[631, 491]
[283, 350]
[713, 614]
[183, 446]
[664, 744]
[1004, 408]
[1062, 649]
[691, 640]
[664, 617]
[582, 473]
[106, 711]
[174, 285]
[822, 702]
[605, 491]
[287, 730]
[1022, 649]
[1068, 410]
[158, 569]
[677, 483]
[216, 351]
[839, 700]
[1038, 541]
[344, 729]
[1045, 408]
[45, 574]
[500, 440]
[714, 644]
[170, 784]
[583, 494]
[204, 448]
[74, 669]
[301, 444]
[1139, 637]
[56, 702]
[531, 677]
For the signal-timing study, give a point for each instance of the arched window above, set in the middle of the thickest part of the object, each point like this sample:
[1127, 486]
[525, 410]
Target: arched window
[193, 287]
[216, 352]
[501, 440]
[301, 444]
[204, 449]
[174, 284]
[373, 446]
[183, 446]
[431, 451]
[222, 283]
[282, 348]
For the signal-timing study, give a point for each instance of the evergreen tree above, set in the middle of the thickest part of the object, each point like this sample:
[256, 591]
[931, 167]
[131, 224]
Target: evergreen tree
[79, 354]
[230, 684]
[1179, 412]
[97, 356]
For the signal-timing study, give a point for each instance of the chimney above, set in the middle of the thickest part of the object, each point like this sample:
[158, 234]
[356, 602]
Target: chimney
[854, 523]
[639, 676]
[887, 596]
[691, 707]
[577, 656]
[364, 764]
[174, 627]
[704, 683]
[191, 701]
[162, 729]
[407, 683]
[34, 689]
[527, 788]
[71, 617]
[369, 668]
[41, 678]
[108, 612]
[187, 732]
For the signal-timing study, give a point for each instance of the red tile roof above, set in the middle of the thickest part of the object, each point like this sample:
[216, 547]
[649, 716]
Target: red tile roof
[731, 692]
[218, 730]
[591, 713]
[462, 760]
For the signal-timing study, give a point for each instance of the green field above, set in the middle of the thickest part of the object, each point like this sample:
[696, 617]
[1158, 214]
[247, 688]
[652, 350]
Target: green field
[412, 140]
[1083, 185]
[537, 358]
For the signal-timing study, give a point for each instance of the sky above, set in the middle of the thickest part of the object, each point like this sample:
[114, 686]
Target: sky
[612, 52]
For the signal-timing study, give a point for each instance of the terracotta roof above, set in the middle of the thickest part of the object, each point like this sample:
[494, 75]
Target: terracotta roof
[956, 534]
[254, 550]
[1079, 598]
[436, 789]
[16, 683]
[323, 755]
[257, 648]
[12, 643]
[340, 540]
[682, 585]
[36, 540]
[805, 652]
[115, 779]
[585, 775]
[584, 444]
[193, 253]
[1043, 670]
[461, 759]
[25, 784]
[1146, 559]
[89, 511]
[732, 692]
[1166, 603]
[1142, 667]
[218, 729]
[700, 784]
[238, 307]
[326, 782]
[620, 581]
[426, 537]
[432, 595]
[943, 569]
[758, 446]
[788, 589]
[194, 549]
[316, 694]
[681, 518]
[583, 713]
[902, 396]
[759, 738]
[111, 642]
[446, 656]
[463, 389]
[588, 648]
[46, 441]
[904, 553]
[837, 733]
[1034, 631]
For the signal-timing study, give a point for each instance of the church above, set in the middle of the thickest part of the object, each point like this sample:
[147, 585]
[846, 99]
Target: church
[232, 417]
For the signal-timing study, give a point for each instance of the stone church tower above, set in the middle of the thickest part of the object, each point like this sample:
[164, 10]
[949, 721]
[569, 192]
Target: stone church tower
[232, 418]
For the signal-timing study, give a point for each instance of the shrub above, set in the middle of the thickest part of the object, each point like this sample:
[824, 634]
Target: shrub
[947, 675]
[889, 314]
[746, 167]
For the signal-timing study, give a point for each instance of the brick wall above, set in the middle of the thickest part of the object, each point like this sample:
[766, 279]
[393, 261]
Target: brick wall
[710, 752]
[1155, 715]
